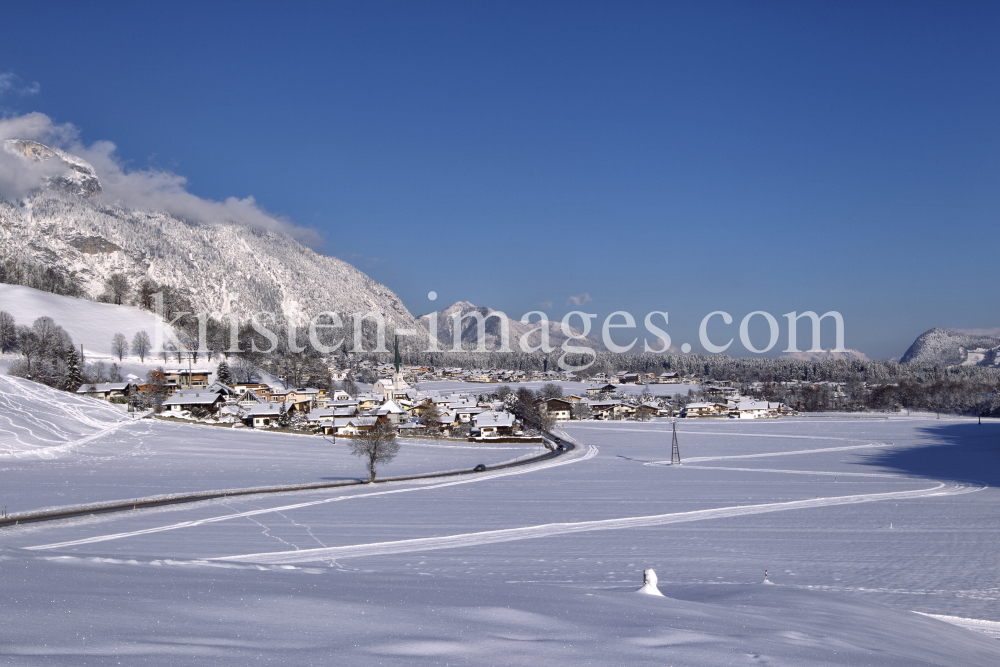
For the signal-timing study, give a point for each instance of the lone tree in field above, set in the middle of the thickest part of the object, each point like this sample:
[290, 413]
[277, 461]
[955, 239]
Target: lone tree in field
[119, 346]
[117, 287]
[376, 447]
[141, 345]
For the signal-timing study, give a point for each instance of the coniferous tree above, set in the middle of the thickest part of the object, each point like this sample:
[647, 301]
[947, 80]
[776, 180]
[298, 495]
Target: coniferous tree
[223, 374]
[284, 421]
[74, 376]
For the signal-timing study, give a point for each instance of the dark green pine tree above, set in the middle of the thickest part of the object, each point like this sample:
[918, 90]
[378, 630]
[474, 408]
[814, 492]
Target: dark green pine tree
[284, 421]
[223, 374]
[74, 377]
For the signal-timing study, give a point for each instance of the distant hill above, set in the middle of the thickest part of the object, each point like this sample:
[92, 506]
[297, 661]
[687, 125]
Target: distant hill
[951, 348]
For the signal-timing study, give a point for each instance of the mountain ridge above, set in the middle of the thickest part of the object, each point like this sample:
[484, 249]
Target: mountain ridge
[77, 232]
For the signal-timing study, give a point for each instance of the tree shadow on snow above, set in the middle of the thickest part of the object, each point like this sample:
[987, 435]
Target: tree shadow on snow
[957, 452]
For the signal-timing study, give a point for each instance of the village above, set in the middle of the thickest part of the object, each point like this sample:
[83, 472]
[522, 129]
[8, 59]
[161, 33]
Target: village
[396, 397]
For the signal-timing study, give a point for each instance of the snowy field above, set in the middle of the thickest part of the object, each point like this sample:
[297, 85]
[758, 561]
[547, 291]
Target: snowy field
[879, 537]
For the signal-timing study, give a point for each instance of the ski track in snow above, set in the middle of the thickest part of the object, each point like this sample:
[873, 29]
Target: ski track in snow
[589, 454]
[551, 530]
[823, 473]
[28, 434]
[700, 459]
[990, 628]
[554, 529]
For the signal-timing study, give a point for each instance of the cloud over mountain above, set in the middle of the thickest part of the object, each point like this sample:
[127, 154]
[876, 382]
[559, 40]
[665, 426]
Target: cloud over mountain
[150, 189]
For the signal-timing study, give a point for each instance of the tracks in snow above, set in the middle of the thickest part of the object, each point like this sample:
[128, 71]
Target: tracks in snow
[555, 529]
[589, 454]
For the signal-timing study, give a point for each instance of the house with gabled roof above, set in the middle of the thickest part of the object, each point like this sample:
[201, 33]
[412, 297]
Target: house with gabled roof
[107, 390]
[191, 399]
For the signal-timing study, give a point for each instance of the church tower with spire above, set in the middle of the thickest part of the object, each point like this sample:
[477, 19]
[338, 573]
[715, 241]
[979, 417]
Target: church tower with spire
[398, 384]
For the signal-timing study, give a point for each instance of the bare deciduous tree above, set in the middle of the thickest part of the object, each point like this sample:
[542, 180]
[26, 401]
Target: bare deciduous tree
[377, 446]
[550, 390]
[245, 368]
[141, 344]
[8, 326]
[119, 346]
[118, 287]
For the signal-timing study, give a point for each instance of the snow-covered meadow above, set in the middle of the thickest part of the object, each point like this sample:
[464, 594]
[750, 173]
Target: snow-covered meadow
[871, 530]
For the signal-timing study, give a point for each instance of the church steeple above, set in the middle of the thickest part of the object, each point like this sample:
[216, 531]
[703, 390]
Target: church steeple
[397, 377]
[398, 360]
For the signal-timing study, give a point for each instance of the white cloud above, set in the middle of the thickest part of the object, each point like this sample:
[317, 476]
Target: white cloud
[152, 189]
[545, 305]
[579, 299]
[11, 83]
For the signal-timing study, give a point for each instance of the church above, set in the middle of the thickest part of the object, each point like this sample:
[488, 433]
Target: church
[397, 388]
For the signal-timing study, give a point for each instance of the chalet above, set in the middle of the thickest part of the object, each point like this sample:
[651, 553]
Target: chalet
[258, 388]
[720, 392]
[368, 401]
[392, 412]
[351, 425]
[188, 378]
[262, 415]
[188, 400]
[596, 390]
[247, 399]
[705, 410]
[751, 409]
[108, 390]
[607, 409]
[494, 424]
[656, 409]
[558, 409]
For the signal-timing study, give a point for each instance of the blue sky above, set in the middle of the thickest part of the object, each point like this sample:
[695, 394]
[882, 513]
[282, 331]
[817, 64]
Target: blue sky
[681, 158]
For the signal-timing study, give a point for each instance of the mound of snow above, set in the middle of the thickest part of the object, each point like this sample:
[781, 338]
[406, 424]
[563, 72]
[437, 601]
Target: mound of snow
[649, 581]
[41, 422]
[88, 322]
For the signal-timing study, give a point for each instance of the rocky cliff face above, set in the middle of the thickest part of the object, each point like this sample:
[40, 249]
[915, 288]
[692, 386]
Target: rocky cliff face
[951, 348]
[73, 175]
[68, 226]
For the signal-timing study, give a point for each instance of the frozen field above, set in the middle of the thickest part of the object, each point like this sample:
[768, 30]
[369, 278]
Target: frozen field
[859, 522]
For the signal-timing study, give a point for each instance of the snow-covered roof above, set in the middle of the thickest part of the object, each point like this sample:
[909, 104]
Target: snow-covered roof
[392, 407]
[193, 398]
[89, 388]
[494, 420]
[263, 410]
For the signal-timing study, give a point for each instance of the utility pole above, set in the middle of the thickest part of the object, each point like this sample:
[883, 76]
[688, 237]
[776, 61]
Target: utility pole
[675, 450]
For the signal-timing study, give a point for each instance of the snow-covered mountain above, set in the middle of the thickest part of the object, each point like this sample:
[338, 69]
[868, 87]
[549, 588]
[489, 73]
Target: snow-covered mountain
[952, 348]
[68, 225]
[69, 173]
[470, 329]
